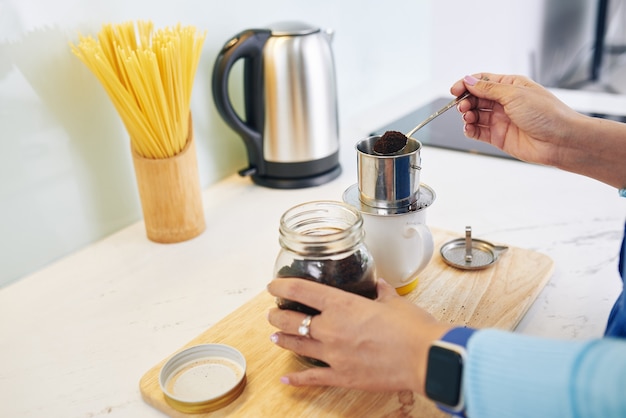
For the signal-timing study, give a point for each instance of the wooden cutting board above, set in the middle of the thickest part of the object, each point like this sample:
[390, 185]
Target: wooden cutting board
[498, 297]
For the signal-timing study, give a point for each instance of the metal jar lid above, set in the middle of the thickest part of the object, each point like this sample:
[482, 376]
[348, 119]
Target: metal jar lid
[203, 378]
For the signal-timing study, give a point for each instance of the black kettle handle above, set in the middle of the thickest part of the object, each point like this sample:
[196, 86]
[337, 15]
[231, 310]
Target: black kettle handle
[247, 45]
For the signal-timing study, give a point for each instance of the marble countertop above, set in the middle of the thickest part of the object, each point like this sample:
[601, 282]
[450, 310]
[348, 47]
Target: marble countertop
[76, 336]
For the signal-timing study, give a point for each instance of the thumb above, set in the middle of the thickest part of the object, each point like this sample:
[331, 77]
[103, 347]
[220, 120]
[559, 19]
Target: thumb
[385, 290]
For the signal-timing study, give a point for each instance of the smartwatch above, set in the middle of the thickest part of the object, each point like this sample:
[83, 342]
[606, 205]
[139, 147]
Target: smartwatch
[444, 372]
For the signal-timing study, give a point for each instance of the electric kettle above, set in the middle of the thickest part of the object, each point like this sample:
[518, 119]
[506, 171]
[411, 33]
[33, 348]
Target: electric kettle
[290, 127]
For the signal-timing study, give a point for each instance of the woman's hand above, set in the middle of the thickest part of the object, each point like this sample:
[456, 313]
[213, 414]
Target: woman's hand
[516, 115]
[524, 119]
[375, 345]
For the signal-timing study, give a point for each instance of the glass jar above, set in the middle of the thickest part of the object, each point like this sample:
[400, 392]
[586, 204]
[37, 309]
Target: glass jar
[322, 241]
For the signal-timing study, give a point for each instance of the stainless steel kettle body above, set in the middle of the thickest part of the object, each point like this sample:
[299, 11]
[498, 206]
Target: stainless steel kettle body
[291, 128]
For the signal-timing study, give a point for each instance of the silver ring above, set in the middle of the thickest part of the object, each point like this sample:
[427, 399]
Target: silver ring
[305, 326]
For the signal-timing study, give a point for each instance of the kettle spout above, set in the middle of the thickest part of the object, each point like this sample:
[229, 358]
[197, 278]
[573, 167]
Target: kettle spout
[330, 33]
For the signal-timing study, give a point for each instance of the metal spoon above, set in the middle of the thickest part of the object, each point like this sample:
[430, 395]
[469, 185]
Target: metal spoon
[448, 106]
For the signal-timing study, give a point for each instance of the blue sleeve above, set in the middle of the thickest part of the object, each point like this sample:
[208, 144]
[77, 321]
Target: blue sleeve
[616, 325]
[512, 375]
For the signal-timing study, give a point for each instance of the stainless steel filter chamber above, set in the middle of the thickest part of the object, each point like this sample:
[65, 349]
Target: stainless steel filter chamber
[388, 181]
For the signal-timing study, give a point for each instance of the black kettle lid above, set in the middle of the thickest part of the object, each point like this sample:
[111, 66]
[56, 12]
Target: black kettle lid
[292, 28]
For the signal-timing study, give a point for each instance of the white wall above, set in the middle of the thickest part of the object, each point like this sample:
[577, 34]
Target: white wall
[66, 177]
[486, 35]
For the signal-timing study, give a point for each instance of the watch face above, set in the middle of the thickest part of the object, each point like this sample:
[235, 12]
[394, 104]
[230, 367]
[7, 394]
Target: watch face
[443, 376]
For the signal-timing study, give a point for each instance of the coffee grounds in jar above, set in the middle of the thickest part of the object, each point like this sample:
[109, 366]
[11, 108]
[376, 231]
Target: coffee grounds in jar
[351, 274]
[391, 142]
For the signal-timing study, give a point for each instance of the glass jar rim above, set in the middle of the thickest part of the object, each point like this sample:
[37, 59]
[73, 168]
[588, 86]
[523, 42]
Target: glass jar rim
[323, 227]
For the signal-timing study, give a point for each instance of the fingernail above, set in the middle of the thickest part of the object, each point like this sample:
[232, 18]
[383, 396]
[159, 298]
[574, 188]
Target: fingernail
[274, 338]
[284, 380]
[471, 80]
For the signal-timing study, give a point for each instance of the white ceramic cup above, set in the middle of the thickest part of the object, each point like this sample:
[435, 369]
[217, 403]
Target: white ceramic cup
[402, 245]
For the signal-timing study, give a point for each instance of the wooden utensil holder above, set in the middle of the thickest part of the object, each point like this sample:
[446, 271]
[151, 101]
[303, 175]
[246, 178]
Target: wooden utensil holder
[170, 194]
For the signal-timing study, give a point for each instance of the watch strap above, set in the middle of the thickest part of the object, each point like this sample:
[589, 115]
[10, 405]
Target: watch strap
[458, 336]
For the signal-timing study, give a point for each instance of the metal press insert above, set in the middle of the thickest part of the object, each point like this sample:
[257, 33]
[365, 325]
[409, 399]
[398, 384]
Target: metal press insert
[470, 253]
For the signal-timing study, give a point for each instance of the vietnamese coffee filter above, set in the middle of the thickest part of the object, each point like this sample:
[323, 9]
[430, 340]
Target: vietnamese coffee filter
[388, 181]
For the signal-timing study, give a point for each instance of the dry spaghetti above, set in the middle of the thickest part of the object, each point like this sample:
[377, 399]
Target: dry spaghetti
[149, 76]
